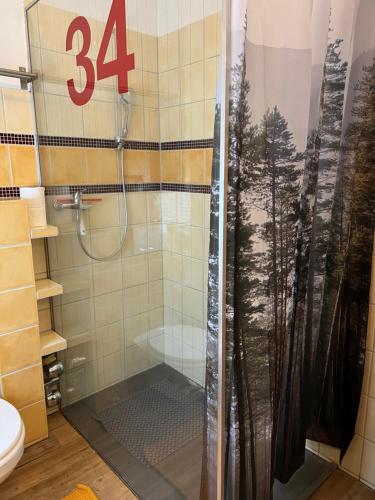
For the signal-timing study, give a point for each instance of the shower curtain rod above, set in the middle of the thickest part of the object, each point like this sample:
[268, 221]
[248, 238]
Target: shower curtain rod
[24, 76]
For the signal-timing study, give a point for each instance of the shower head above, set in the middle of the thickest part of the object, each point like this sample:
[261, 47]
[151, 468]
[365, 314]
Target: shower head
[126, 100]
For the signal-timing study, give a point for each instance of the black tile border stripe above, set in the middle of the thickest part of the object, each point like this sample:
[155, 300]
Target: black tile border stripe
[130, 188]
[9, 192]
[186, 188]
[84, 142]
[198, 144]
[24, 139]
[100, 188]
[14, 192]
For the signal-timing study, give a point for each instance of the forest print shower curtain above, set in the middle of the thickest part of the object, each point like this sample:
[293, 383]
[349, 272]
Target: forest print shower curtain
[301, 213]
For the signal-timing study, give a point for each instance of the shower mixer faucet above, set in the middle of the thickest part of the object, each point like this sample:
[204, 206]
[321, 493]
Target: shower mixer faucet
[77, 203]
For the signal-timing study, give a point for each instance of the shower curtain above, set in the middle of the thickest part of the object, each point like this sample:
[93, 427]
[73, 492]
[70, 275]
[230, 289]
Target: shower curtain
[301, 213]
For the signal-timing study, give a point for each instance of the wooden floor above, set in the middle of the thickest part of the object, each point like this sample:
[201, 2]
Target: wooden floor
[341, 486]
[51, 469]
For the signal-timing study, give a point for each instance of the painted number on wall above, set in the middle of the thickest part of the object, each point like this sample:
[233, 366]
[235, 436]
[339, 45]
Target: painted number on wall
[119, 67]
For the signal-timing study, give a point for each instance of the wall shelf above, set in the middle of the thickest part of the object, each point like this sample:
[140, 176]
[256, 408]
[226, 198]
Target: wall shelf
[51, 342]
[44, 232]
[47, 288]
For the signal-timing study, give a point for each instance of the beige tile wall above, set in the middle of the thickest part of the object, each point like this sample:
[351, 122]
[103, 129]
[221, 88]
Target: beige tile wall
[56, 114]
[111, 312]
[21, 378]
[18, 163]
[185, 226]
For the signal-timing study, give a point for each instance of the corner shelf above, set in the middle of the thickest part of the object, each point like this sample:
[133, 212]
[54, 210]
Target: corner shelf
[43, 232]
[47, 288]
[51, 342]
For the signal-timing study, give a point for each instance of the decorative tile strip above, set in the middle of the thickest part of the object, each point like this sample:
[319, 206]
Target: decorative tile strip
[198, 144]
[101, 188]
[9, 192]
[186, 188]
[86, 142]
[24, 139]
[14, 192]
[130, 188]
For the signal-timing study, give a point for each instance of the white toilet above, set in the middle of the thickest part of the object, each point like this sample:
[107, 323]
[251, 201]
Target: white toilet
[12, 438]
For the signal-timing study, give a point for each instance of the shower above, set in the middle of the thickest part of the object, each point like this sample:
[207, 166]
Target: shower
[120, 142]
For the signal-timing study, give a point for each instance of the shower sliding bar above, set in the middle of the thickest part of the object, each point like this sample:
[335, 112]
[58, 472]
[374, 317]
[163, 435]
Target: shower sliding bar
[24, 76]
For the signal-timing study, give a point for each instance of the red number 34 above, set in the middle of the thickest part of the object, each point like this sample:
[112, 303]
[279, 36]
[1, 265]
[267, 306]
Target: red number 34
[120, 66]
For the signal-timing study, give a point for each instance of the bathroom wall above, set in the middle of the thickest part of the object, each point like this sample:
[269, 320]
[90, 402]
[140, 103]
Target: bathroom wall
[18, 159]
[113, 313]
[189, 49]
[21, 378]
[110, 310]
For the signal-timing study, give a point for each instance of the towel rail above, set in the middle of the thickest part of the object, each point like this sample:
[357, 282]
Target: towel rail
[24, 76]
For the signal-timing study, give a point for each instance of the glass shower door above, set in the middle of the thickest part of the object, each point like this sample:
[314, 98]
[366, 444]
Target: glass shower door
[127, 173]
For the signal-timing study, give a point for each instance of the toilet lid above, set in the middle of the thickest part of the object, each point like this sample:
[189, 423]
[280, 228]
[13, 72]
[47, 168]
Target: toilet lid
[10, 427]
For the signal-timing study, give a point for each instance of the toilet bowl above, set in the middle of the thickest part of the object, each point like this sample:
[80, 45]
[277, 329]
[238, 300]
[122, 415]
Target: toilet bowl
[12, 438]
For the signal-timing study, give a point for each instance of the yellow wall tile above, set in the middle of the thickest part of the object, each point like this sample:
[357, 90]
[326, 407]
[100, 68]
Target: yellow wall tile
[102, 167]
[39, 258]
[197, 40]
[35, 420]
[185, 45]
[19, 350]
[210, 42]
[209, 118]
[185, 85]
[24, 387]
[14, 222]
[208, 166]
[218, 34]
[53, 26]
[151, 94]
[186, 122]
[164, 125]
[18, 111]
[24, 165]
[18, 309]
[67, 166]
[137, 125]
[2, 118]
[152, 166]
[150, 53]
[193, 166]
[134, 165]
[174, 87]
[197, 81]
[44, 318]
[152, 133]
[197, 120]
[163, 53]
[174, 124]
[163, 89]
[75, 166]
[16, 267]
[45, 165]
[173, 50]
[56, 170]
[171, 166]
[134, 42]
[4, 166]
[210, 78]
